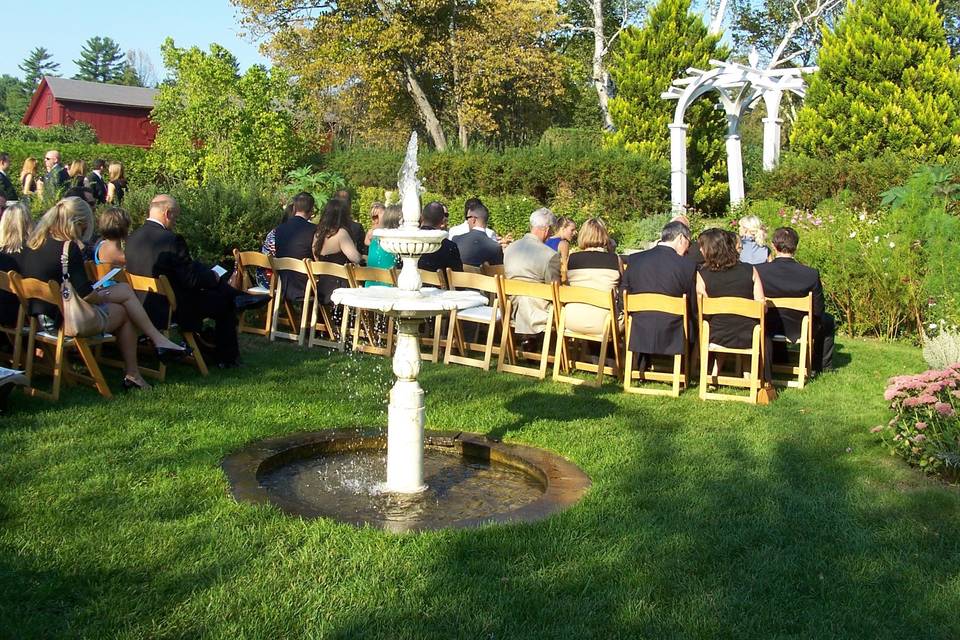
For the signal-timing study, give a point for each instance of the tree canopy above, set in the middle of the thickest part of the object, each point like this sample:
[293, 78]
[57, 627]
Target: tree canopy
[36, 65]
[101, 60]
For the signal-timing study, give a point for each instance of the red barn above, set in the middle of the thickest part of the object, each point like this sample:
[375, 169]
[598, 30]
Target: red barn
[119, 114]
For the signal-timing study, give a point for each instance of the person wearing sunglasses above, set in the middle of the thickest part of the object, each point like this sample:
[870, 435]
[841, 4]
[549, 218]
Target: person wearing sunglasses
[57, 176]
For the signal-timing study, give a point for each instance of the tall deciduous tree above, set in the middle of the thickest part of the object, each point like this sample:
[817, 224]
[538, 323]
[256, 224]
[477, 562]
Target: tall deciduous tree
[886, 83]
[101, 60]
[36, 65]
[138, 70]
[784, 32]
[472, 65]
[648, 61]
[214, 122]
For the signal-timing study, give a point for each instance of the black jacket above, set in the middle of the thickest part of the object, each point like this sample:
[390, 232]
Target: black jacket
[45, 264]
[446, 257]
[98, 186]
[787, 278]
[155, 251]
[476, 247]
[7, 190]
[294, 239]
[660, 270]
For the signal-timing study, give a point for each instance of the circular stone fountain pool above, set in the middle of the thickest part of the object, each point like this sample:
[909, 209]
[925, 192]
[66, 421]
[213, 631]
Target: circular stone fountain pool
[340, 474]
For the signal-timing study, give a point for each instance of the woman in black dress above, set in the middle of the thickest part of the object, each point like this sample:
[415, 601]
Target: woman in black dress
[117, 187]
[723, 275]
[332, 242]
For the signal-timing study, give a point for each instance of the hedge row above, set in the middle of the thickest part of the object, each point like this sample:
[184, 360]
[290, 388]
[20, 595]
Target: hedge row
[138, 164]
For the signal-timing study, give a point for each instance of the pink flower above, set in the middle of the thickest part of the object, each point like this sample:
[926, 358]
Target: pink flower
[955, 394]
[911, 402]
[921, 425]
[919, 438]
[891, 393]
[927, 399]
[945, 409]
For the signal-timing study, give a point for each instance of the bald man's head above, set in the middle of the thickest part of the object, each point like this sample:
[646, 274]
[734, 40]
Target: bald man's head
[165, 210]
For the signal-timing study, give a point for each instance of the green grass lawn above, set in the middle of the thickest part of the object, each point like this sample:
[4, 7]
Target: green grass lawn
[705, 520]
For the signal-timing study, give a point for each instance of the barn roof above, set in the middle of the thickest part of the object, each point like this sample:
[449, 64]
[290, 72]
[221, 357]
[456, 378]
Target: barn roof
[115, 94]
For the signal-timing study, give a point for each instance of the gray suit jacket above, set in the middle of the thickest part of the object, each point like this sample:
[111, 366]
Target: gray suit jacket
[530, 260]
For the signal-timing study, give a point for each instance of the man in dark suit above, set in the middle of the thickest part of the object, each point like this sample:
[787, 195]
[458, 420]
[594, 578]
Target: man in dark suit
[57, 177]
[784, 277]
[7, 190]
[475, 246]
[154, 250]
[433, 217]
[663, 269]
[96, 182]
[294, 239]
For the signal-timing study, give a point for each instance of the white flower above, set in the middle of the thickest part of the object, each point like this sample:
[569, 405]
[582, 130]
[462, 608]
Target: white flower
[853, 234]
[863, 217]
[932, 326]
[892, 245]
[876, 239]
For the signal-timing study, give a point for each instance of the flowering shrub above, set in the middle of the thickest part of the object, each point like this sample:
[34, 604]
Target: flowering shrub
[926, 428]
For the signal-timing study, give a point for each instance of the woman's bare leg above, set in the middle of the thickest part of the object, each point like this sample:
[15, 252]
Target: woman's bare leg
[122, 294]
[119, 324]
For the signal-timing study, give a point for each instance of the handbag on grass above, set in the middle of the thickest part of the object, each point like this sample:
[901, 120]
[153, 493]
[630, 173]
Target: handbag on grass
[80, 318]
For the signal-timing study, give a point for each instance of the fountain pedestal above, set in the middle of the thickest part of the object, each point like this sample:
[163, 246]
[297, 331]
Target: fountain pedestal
[406, 414]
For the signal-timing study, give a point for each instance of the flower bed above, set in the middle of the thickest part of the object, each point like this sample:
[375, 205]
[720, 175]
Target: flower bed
[926, 428]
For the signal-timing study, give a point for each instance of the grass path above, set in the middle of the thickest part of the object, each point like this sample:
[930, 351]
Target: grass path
[705, 520]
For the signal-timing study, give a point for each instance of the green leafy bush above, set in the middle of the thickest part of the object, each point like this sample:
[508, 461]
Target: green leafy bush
[79, 132]
[320, 184]
[942, 350]
[926, 428]
[139, 165]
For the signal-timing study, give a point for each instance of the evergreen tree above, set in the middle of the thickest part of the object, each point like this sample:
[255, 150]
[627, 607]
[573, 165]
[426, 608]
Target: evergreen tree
[647, 61]
[100, 61]
[36, 65]
[886, 83]
[13, 98]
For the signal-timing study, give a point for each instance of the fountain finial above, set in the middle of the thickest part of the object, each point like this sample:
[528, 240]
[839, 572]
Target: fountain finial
[409, 186]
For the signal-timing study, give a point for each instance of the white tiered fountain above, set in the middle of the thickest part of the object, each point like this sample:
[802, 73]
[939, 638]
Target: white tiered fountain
[410, 303]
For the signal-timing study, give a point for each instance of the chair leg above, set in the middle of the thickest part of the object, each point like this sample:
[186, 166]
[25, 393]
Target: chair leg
[93, 367]
[677, 373]
[198, 360]
[704, 359]
[602, 362]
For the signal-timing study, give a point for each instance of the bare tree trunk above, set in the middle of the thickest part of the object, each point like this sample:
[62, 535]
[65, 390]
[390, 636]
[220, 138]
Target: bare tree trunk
[716, 25]
[426, 109]
[601, 77]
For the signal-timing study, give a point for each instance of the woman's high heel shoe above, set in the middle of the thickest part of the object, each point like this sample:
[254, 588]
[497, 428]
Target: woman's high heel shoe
[129, 383]
[167, 355]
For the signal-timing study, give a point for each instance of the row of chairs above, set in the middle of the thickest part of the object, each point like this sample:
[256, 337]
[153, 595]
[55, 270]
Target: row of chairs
[473, 337]
[28, 337]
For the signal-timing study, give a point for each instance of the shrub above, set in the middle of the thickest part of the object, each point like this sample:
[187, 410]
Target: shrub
[942, 350]
[79, 132]
[925, 429]
[571, 137]
[138, 163]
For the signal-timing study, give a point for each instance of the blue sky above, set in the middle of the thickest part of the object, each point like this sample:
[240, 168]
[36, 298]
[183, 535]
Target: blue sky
[134, 25]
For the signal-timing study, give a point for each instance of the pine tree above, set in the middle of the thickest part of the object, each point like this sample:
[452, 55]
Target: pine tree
[100, 61]
[886, 83]
[36, 65]
[648, 60]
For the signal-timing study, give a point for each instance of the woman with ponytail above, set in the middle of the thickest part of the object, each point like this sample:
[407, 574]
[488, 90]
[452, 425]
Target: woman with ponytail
[70, 223]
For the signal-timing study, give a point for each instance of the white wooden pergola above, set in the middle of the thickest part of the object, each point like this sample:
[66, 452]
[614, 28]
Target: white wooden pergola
[740, 88]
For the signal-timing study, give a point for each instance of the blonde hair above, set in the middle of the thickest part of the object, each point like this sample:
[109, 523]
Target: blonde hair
[116, 171]
[69, 219]
[593, 235]
[752, 227]
[15, 227]
[77, 168]
[391, 216]
[29, 167]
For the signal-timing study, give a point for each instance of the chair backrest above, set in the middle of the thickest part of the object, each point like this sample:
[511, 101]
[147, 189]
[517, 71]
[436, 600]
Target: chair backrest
[33, 289]
[543, 291]
[320, 268]
[602, 298]
[804, 304]
[492, 269]
[298, 265]
[97, 271]
[635, 302]
[753, 309]
[433, 278]
[360, 275]
[6, 282]
[245, 259]
[469, 268]
[476, 281]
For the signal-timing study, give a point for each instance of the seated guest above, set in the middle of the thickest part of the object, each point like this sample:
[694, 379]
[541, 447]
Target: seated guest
[294, 239]
[70, 223]
[433, 217]
[7, 190]
[530, 260]
[376, 212]
[357, 234]
[464, 227]
[476, 246]
[693, 254]
[269, 247]
[377, 256]
[560, 241]
[96, 182]
[15, 227]
[753, 237]
[784, 277]
[663, 269]
[114, 224]
[77, 173]
[155, 250]
[593, 266]
[332, 242]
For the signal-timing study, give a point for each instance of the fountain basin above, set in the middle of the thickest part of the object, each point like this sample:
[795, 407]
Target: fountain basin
[471, 480]
[423, 303]
[407, 241]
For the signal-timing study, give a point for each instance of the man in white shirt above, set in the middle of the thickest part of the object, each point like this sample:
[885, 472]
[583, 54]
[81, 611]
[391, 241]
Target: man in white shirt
[464, 227]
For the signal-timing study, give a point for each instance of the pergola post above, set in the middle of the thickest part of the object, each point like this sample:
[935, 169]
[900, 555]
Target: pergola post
[771, 129]
[678, 166]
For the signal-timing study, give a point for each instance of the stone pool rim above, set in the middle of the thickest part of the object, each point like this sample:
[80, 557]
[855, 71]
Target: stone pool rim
[564, 483]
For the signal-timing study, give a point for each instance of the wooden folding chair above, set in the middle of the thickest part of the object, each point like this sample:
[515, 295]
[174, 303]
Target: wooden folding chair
[680, 374]
[801, 371]
[31, 289]
[565, 296]
[18, 331]
[366, 337]
[492, 269]
[508, 343]
[293, 265]
[435, 341]
[469, 268]
[322, 317]
[96, 271]
[747, 309]
[253, 260]
[490, 315]
[161, 286]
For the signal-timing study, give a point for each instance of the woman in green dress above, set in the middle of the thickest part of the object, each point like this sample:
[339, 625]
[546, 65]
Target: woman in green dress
[376, 256]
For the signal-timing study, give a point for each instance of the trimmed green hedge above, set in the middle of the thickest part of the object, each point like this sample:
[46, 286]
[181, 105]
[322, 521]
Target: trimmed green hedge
[138, 165]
